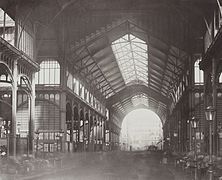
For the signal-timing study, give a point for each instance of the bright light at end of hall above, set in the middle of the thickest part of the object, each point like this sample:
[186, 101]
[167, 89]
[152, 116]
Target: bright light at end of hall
[140, 129]
[142, 116]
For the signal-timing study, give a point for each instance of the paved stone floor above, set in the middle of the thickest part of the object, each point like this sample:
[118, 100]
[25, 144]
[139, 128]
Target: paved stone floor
[113, 166]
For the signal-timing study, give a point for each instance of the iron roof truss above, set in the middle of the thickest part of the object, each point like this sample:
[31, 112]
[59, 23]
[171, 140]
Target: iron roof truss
[157, 67]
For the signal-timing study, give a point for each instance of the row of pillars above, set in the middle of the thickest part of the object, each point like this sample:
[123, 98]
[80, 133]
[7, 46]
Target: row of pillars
[210, 99]
[87, 131]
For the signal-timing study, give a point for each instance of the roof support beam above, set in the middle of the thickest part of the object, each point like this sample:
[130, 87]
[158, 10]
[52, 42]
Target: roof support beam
[134, 89]
[97, 64]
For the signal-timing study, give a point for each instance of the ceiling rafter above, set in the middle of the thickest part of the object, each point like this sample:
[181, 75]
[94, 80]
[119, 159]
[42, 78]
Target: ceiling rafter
[163, 52]
[91, 72]
[148, 32]
[176, 73]
[134, 89]
[86, 75]
[91, 87]
[80, 69]
[161, 68]
[164, 72]
[90, 80]
[157, 85]
[154, 69]
[171, 62]
[171, 71]
[165, 79]
[99, 67]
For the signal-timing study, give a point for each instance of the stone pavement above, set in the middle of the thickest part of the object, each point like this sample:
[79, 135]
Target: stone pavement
[178, 173]
[59, 164]
[79, 160]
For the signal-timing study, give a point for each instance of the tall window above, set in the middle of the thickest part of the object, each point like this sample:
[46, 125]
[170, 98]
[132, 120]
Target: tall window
[7, 27]
[76, 86]
[49, 73]
[25, 39]
[198, 74]
[70, 81]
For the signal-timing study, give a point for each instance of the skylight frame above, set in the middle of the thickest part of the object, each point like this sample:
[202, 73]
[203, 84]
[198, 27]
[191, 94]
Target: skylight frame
[131, 54]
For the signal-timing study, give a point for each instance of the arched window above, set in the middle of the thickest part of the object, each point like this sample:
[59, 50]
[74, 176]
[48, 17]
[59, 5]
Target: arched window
[49, 73]
[198, 74]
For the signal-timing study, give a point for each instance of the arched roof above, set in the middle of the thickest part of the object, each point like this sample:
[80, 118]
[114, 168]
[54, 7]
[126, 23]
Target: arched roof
[96, 60]
[85, 30]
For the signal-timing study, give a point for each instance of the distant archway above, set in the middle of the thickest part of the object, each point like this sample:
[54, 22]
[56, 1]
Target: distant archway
[141, 128]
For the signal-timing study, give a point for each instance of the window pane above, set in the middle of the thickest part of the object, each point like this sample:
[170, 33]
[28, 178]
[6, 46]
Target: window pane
[49, 73]
[57, 76]
[220, 78]
[47, 77]
[198, 74]
[130, 51]
[41, 78]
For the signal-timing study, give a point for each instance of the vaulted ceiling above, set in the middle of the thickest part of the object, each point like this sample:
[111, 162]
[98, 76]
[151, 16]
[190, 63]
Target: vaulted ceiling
[96, 60]
[85, 30]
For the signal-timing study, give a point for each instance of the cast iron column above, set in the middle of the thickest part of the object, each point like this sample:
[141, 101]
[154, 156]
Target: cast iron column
[12, 141]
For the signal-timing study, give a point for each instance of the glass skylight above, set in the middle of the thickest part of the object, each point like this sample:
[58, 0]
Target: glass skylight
[131, 55]
[140, 99]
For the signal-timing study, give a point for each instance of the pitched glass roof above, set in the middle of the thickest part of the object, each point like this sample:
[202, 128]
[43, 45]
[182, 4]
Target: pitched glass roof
[131, 55]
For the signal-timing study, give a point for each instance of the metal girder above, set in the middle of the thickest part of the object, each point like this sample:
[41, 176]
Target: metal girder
[164, 79]
[158, 74]
[80, 69]
[164, 71]
[167, 56]
[174, 65]
[105, 85]
[99, 68]
[177, 55]
[97, 77]
[91, 72]
[166, 41]
[155, 68]
[175, 74]
[155, 60]
[113, 76]
[92, 54]
[117, 86]
[110, 92]
[18, 55]
[159, 85]
[77, 54]
[128, 105]
[161, 64]
[134, 89]
[115, 79]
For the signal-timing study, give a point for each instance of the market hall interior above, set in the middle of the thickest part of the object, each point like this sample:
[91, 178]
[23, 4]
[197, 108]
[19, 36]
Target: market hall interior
[71, 70]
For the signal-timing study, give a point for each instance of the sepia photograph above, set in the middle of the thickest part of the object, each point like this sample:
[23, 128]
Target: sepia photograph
[110, 89]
